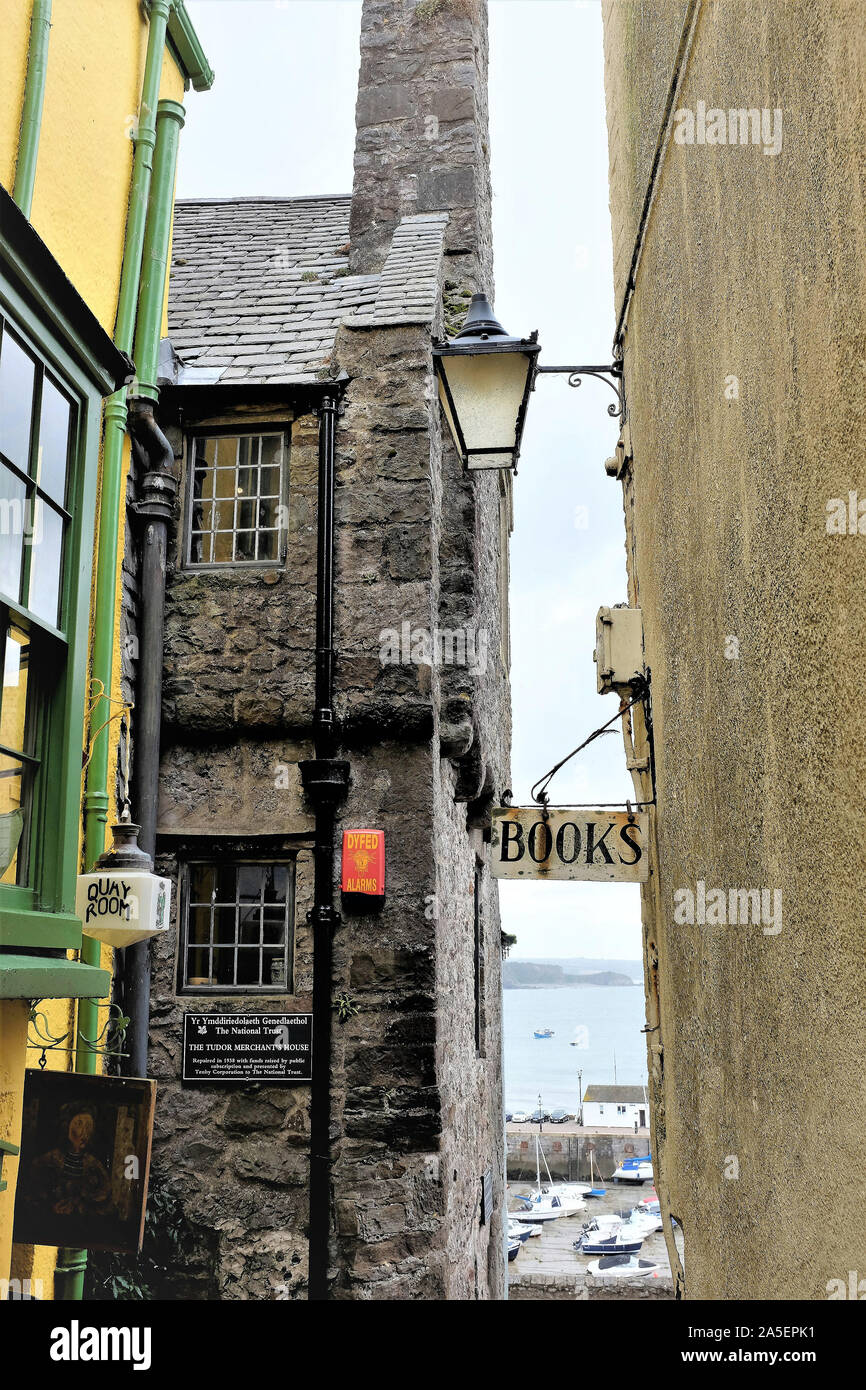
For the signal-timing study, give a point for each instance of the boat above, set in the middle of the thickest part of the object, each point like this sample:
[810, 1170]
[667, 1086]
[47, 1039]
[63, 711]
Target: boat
[623, 1267]
[594, 1189]
[534, 1214]
[543, 1033]
[566, 1189]
[521, 1231]
[513, 1249]
[634, 1170]
[549, 1203]
[619, 1242]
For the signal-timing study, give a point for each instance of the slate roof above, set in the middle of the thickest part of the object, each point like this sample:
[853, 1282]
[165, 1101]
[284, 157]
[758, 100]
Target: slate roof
[259, 286]
[613, 1095]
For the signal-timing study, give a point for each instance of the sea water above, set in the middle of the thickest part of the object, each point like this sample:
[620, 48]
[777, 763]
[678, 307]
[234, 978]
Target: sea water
[601, 1019]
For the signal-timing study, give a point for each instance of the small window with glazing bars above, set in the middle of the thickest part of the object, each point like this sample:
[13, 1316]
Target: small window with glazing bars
[237, 927]
[236, 513]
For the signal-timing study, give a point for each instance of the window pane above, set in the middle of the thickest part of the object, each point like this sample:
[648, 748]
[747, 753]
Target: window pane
[13, 701]
[250, 926]
[269, 485]
[205, 451]
[202, 483]
[272, 450]
[249, 882]
[268, 512]
[247, 512]
[202, 883]
[54, 421]
[12, 815]
[249, 967]
[248, 482]
[276, 883]
[274, 926]
[226, 485]
[223, 966]
[14, 518]
[245, 545]
[274, 970]
[17, 377]
[225, 926]
[45, 563]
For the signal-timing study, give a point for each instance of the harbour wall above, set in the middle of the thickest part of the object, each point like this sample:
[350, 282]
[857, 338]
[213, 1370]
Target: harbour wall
[547, 1288]
[567, 1154]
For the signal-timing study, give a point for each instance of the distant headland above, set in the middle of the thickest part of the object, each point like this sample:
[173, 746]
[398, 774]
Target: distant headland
[530, 974]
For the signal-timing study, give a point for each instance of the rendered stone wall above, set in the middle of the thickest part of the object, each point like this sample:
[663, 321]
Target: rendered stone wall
[745, 421]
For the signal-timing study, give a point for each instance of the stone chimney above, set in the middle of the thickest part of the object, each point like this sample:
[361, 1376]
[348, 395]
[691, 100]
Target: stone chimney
[422, 133]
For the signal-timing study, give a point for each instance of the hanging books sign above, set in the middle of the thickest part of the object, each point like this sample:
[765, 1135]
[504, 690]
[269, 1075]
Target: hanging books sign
[596, 846]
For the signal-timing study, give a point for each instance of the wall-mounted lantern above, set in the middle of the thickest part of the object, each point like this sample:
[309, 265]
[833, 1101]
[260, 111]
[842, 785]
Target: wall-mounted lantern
[123, 901]
[485, 377]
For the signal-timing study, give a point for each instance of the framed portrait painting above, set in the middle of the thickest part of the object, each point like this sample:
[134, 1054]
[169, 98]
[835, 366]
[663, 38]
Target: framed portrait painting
[85, 1159]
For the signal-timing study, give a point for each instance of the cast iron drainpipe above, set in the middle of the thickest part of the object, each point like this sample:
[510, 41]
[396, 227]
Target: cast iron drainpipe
[326, 782]
[157, 491]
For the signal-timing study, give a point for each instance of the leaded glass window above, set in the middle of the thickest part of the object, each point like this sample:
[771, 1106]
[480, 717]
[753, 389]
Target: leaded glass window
[238, 927]
[236, 499]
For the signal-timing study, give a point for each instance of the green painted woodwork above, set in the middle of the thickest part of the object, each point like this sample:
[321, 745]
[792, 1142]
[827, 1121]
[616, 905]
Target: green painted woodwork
[50, 977]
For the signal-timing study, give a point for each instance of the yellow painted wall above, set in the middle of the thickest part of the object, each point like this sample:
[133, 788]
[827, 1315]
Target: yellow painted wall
[95, 69]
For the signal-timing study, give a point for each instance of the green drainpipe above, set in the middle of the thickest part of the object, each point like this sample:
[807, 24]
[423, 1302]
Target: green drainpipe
[157, 240]
[97, 797]
[31, 113]
[69, 1277]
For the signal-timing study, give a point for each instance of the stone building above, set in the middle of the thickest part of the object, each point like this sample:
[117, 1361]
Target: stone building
[736, 162]
[282, 311]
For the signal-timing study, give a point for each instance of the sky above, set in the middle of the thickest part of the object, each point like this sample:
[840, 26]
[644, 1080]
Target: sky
[279, 120]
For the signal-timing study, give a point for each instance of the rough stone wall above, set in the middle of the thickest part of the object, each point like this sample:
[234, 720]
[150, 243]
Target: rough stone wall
[238, 684]
[418, 544]
[745, 421]
[422, 140]
[564, 1288]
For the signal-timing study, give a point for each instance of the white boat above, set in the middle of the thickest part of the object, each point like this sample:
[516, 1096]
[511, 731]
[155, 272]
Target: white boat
[566, 1189]
[619, 1241]
[634, 1170]
[518, 1230]
[554, 1201]
[623, 1267]
[534, 1214]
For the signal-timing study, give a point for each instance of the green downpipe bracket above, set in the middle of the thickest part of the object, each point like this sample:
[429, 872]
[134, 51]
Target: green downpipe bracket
[31, 112]
[157, 240]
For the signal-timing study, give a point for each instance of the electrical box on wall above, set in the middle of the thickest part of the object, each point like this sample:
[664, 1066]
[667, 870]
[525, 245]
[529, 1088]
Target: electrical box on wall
[362, 877]
[618, 651]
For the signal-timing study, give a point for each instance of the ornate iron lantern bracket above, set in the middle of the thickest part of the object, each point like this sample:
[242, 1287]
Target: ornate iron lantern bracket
[611, 375]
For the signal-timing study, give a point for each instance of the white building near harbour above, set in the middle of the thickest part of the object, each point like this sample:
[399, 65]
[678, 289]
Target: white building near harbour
[615, 1107]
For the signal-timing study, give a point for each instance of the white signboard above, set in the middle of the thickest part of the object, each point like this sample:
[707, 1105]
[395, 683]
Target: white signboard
[120, 907]
[596, 846]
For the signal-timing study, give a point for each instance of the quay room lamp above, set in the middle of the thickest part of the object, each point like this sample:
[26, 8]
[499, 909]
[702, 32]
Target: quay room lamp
[485, 377]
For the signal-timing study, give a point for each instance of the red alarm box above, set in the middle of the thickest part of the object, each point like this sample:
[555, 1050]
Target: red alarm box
[364, 863]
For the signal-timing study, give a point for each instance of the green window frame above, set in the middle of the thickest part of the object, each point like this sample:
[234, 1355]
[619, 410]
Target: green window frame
[48, 721]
